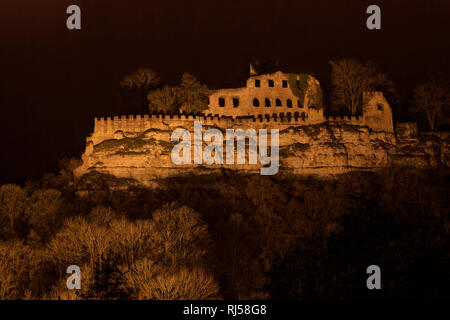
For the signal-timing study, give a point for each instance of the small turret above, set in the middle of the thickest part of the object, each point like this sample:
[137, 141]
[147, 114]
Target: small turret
[377, 112]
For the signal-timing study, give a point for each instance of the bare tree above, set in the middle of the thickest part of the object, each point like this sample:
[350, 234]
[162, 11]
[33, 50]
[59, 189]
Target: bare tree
[149, 281]
[44, 207]
[190, 96]
[138, 84]
[165, 99]
[180, 237]
[12, 206]
[432, 99]
[350, 78]
[193, 95]
[17, 265]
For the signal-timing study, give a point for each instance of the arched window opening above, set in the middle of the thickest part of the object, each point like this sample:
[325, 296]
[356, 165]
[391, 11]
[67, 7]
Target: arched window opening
[221, 102]
[289, 103]
[267, 102]
[271, 83]
[278, 103]
[299, 104]
[255, 102]
[303, 116]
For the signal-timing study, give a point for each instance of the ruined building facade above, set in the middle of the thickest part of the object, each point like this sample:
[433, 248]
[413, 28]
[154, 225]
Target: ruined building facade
[287, 95]
[269, 94]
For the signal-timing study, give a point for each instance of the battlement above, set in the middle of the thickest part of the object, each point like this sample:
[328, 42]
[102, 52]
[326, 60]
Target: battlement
[343, 118]
[262, 117]
[136, 123]
[105, 126]
[373, 94]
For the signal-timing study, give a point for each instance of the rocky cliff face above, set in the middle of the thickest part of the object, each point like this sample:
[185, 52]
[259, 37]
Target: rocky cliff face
[322, 149]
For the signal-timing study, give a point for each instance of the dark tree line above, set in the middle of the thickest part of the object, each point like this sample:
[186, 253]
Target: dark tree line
[143, 87]
[229, 235]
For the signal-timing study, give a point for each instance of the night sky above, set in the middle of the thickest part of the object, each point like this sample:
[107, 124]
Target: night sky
[54, 81]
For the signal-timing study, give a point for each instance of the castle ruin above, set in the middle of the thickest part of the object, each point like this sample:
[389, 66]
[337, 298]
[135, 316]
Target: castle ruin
[275, 100]
[138, 146]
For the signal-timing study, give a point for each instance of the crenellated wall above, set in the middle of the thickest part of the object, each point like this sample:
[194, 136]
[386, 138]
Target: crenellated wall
[115, 127]
[111, 127]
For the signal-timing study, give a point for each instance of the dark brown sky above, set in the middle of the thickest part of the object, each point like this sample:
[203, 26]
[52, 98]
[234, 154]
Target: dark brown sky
[54, 81]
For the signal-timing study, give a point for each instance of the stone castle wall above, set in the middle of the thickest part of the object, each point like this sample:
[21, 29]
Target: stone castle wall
[377, 116]
[119, 126]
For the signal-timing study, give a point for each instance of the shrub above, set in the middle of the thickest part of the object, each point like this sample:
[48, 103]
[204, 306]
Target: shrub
[43, 212]
[17, 266]
[186, 284]
[12, 206]
[180, 237]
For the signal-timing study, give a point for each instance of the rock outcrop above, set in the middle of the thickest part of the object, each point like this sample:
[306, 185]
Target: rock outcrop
[325, 149]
